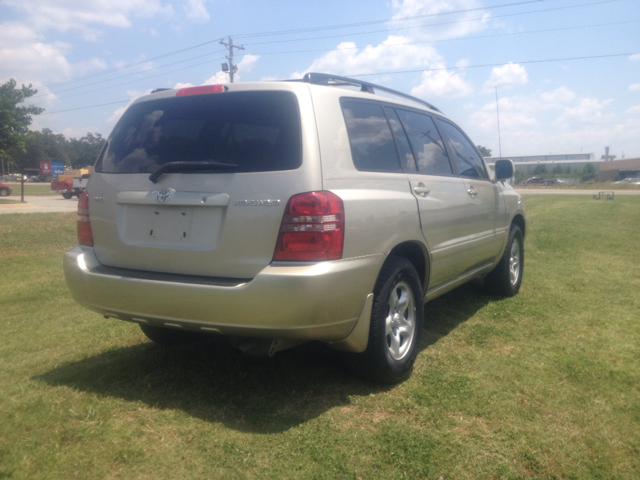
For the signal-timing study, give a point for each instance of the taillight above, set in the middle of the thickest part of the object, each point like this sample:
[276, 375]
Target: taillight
[200, 90]
[85, 236]
[312, 228]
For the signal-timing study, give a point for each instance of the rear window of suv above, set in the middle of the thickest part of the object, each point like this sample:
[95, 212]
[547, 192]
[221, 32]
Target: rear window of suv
[257, 131]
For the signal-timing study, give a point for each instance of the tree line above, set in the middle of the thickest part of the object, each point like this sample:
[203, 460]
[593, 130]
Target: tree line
[22, 148]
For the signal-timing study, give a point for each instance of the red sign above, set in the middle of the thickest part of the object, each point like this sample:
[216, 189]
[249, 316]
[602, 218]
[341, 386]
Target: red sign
[45, 168]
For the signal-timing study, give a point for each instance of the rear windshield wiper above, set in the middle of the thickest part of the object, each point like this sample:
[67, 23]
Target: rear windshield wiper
[209, 166]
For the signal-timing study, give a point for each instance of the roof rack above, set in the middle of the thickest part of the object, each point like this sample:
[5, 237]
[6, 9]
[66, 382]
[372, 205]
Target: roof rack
[335, 80]
[155, 90]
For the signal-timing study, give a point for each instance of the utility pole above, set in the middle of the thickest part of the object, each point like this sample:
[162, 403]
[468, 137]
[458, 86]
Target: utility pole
[498, 112]
[230, 68]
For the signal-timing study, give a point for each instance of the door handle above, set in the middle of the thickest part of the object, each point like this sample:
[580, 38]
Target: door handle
[421, 190]
[473, 193]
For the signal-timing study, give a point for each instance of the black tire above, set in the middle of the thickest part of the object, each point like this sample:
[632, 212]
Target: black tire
[4, 192]
[506, 278]
[392, 349]
[67, 196]
[168, 337]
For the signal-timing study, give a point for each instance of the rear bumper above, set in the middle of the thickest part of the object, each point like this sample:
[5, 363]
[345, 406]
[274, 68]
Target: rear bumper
[309, 302]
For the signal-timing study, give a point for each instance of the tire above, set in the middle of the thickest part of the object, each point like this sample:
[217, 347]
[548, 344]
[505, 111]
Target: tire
[397, 319]
[168, 337]
[4, 192]
[67, 196]
[506, 277]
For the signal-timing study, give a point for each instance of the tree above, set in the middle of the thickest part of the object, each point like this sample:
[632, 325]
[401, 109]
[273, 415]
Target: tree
[14, 120]
[588, 172]
[558, 170]
[85, 151]
[540, 169]
[484, 151]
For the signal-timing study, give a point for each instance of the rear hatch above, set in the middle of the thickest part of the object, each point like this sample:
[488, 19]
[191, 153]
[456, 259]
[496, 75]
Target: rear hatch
[196, 183]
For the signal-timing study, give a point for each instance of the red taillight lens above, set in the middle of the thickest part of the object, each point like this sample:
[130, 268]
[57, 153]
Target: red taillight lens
[312, 228]
[85, 235]
[200, 90]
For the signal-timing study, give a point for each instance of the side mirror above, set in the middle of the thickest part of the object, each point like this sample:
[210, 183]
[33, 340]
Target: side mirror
[504, 169]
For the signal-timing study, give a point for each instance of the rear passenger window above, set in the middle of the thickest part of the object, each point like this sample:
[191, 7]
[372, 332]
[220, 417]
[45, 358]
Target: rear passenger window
[467, 160]
[428, 147]
[372, 145]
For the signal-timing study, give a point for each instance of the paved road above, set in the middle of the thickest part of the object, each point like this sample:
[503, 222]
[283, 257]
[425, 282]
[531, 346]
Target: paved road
[561, 191]
[39, 203]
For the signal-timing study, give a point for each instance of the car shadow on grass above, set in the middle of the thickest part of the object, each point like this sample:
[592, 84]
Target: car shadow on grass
[216, 383]
[446, 313]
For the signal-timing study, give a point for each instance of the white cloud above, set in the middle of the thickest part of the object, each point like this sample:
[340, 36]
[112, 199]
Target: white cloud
[635, 57]
[633, 110]
[196, 10]
[64, 15]
[635, 87]
[429, 12]
[508, 75]
[441, 83]
[589, 110]
[391, 54]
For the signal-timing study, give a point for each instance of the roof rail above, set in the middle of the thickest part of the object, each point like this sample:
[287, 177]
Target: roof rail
[159, 90]
[335, 80]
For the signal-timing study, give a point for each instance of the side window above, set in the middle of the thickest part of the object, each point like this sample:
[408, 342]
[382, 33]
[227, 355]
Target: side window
[404, 149]
[372, 145]
[466, 158]
[428, 147]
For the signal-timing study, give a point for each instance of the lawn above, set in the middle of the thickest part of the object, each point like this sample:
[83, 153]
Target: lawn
[32, 189]
[542, 385]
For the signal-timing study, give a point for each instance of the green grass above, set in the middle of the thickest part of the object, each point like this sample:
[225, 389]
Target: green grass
[32, 189]
[542, 385]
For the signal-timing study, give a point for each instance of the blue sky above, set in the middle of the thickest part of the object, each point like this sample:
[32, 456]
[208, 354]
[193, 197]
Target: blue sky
[89, 59]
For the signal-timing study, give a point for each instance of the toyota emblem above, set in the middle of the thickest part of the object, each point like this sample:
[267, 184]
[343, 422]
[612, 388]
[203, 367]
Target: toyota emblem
[163, 196]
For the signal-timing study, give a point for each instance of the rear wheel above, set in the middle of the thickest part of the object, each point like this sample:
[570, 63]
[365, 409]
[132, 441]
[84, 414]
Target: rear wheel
[396, 325]
[506, 278]
[67, 196]
[168, 337]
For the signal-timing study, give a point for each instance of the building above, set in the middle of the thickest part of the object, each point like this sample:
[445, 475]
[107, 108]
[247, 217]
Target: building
[566, 163]
[619, 169]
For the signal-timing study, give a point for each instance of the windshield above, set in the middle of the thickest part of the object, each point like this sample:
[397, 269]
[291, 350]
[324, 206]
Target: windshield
[257, 131]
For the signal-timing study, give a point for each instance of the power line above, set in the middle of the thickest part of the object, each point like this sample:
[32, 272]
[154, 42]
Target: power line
[434, 24]
[377, 22]
[524, 62]
[134, 73]
[549, 60]
[455, 38]
[311, 38]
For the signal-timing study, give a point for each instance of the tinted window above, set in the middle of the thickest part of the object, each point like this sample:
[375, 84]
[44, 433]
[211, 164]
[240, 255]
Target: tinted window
[404, 149]
[428, 147]
[467, 160]
[258, 131]
[372, 145]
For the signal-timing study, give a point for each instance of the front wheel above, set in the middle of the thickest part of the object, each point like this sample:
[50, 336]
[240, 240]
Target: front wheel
[67, 195]
[4, 192]
[396, 325]
[506, 278]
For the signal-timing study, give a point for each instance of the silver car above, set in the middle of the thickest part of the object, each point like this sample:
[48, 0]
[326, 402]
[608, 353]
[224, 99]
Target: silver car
[274, 213]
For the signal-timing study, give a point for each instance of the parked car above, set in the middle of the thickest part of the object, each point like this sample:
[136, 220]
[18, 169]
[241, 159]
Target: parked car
[539, 181]
[5, 190]
[629, 181]
[275, 213]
